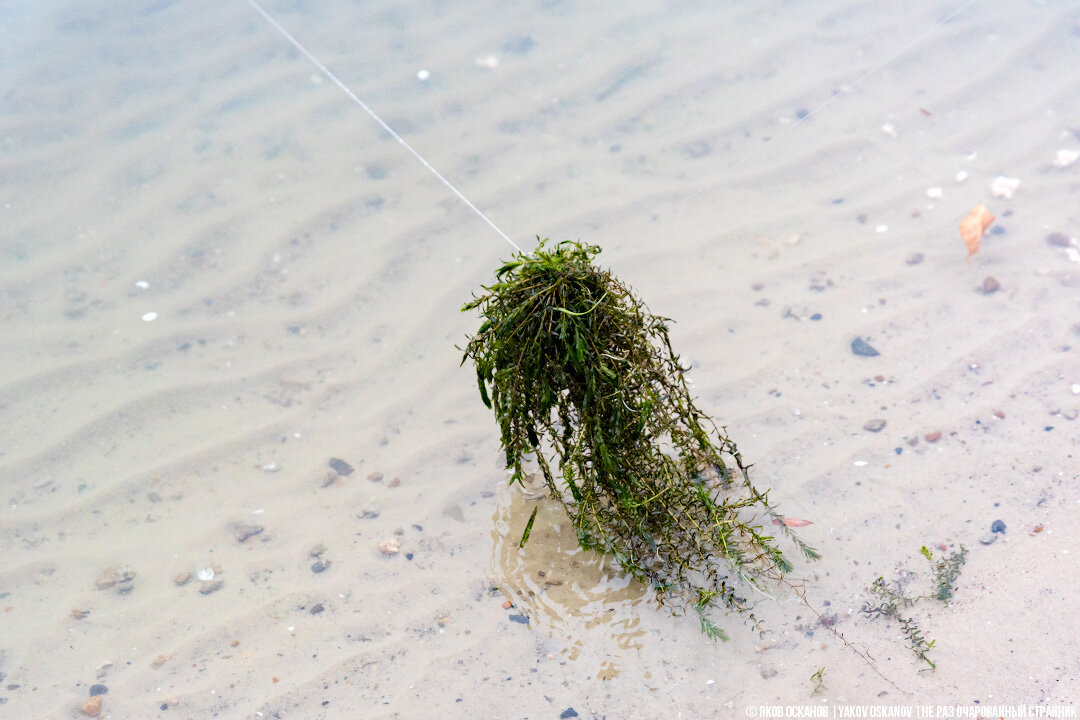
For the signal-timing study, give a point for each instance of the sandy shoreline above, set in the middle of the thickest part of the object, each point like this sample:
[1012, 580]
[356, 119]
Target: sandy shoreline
[218, 275]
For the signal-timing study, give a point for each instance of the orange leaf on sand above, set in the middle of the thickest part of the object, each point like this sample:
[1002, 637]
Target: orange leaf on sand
[794, 522]
[974, 225]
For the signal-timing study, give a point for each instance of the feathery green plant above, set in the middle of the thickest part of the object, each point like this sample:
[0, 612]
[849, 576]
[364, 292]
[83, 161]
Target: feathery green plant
[584, 383]
[891, 599]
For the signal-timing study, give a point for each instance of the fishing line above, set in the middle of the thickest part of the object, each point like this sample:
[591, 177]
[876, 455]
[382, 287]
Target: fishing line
[815, 110]
[334, 79]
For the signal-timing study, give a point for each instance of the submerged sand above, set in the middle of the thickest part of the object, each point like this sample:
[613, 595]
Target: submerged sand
[221, 281]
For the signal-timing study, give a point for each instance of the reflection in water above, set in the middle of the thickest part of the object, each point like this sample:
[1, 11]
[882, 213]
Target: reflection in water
[573, 594]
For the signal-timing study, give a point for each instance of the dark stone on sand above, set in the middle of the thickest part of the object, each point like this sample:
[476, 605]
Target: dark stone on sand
[98, 689]
[1058, 240]
[519, 619]
[915, 258]
[340, 466]
[319, 565]
[568, 713]
[990, 285]
[998, 526]
[861, 347]
[316, 608]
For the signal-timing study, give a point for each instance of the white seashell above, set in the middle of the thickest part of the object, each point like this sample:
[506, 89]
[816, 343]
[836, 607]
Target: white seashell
[1065, 158]
[1004, 187]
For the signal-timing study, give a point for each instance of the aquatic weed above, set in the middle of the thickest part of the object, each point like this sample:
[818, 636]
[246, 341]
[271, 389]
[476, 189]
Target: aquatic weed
[584, 384]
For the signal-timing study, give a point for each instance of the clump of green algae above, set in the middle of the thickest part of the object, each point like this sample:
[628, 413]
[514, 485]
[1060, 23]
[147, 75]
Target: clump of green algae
[584, 382]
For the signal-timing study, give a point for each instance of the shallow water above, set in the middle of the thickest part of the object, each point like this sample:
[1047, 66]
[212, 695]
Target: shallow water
[218, 273]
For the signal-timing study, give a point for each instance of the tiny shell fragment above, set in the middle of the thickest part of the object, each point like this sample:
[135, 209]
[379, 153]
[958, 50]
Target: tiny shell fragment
[934, 192]
[794, 522]
[974, 225]
[1065, 158]
[1004, 187]
[390, 546]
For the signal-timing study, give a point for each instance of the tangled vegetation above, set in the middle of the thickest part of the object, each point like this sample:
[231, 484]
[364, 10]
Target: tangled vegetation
[586, 387]
[891, 600]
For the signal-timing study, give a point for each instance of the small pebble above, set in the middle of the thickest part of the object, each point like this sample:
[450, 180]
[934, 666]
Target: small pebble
[375, 477]
[210, 586]
[568, 713]
[98, 689]
[107, 578]
[861, 347]
[243, 532]
[182, 578]
[915, 258]
[390, 546]
[340, 466]
[988, 539]
[79, 615]
[92, 707]
[149, 317]
[990, 285]
[932, 437]
[159, 661]
[998, 526]
[316, 608]
[875, 425]
[769, 672]
[815, 317]
[317, 550]
[519, 619]
[1058, 240]
[320, 565]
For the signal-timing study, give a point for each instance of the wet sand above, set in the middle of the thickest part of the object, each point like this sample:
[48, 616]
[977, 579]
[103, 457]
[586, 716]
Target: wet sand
[218, 275]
